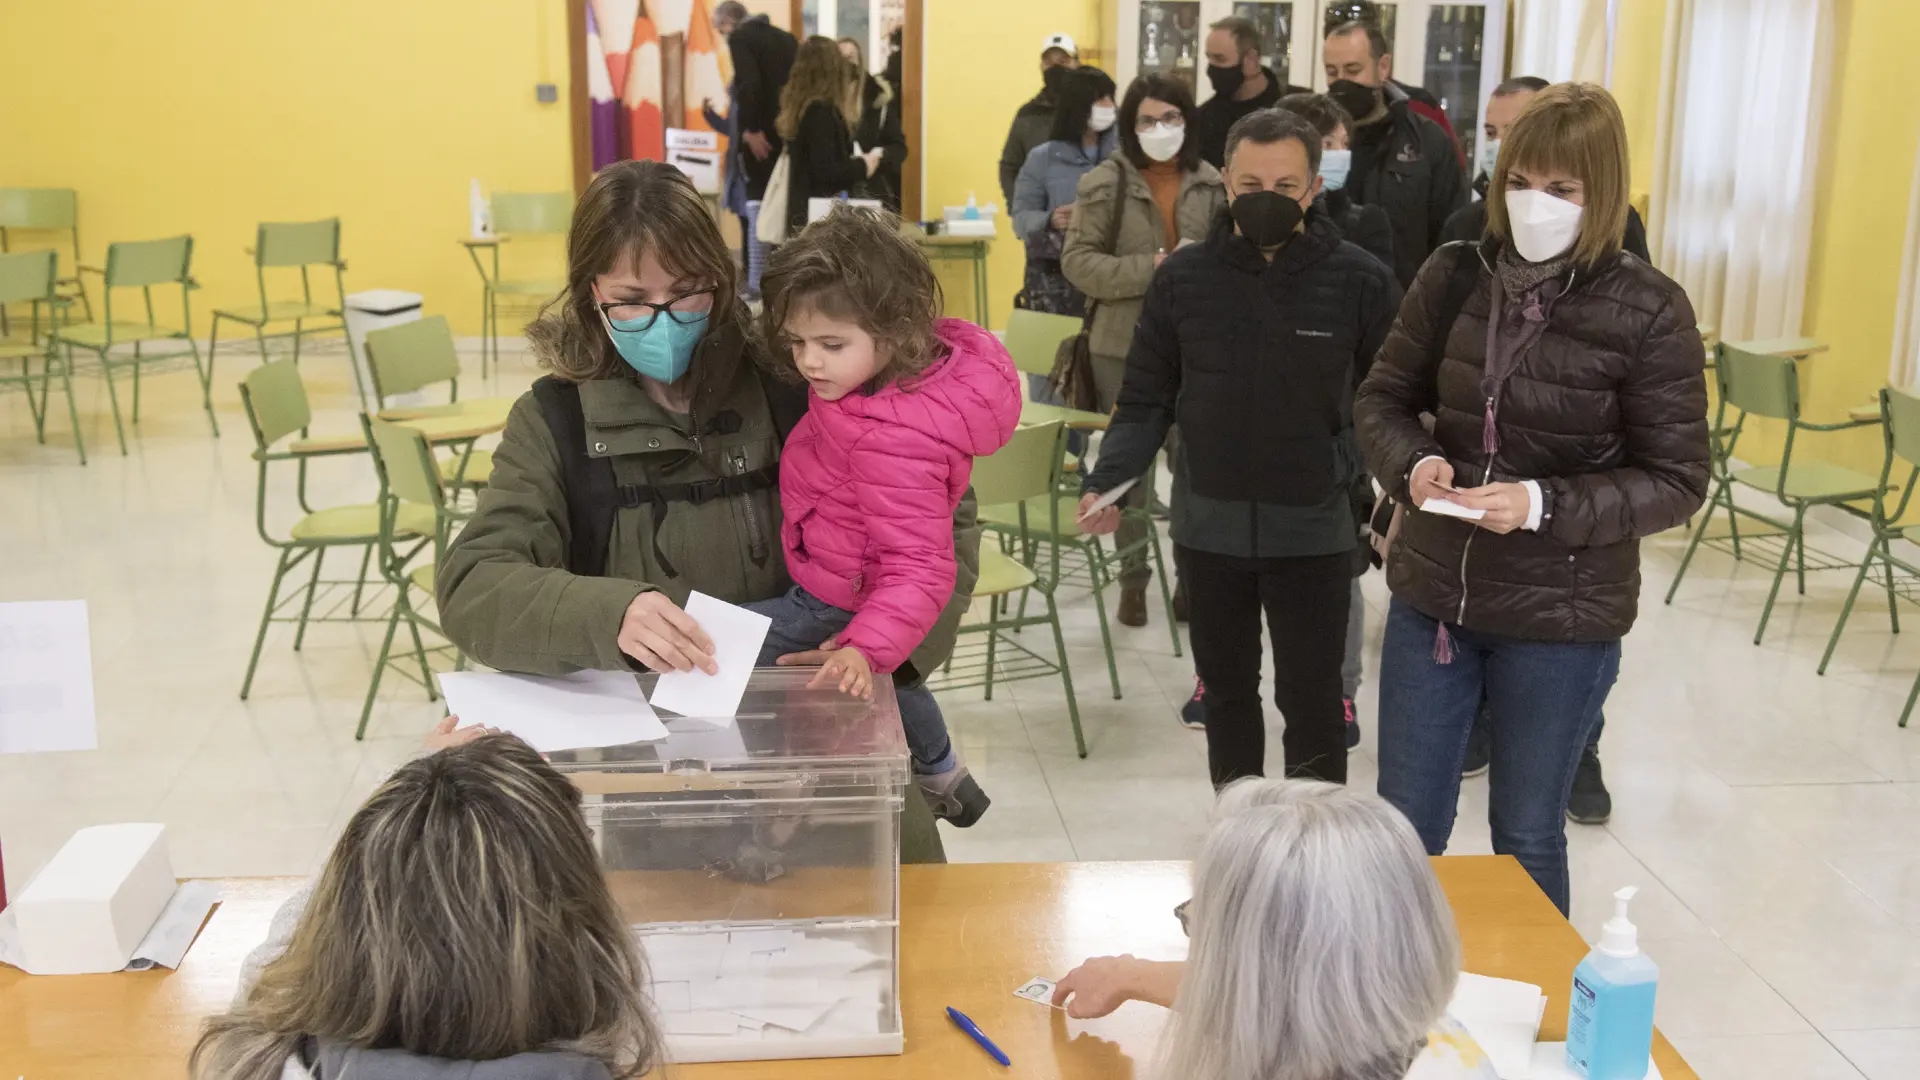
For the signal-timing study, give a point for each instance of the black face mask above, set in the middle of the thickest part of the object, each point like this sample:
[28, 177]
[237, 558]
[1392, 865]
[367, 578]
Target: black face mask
[1358, 99]
[1266, 218]
[1052, 77]
[1226, 80]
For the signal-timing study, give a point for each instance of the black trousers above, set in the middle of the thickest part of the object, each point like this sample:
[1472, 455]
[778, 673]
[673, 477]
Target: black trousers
[1305, 601]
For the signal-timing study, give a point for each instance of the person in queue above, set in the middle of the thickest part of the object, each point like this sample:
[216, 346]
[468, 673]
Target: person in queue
[1565, 378]
[762, 56]
[1241, 84]
[1043, 197]
[1323, 949]
[1403, 162]
[1033, 121]
[818, 109]
[1253, 342]
[1130, 211]
[1366, 226]
[1419, 98]
[646, 465]
[461, 928]
[878, 126]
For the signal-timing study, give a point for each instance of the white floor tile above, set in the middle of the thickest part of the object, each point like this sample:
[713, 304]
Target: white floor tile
[1881, 1055]
[1765, 1057]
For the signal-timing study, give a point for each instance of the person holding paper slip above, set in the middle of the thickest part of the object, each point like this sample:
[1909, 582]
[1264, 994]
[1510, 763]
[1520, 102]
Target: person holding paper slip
[1565, 378]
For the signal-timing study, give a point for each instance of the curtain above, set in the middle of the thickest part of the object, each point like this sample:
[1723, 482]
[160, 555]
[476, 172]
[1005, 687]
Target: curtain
[1742, 90]
[1905, 369]
[1561, 40]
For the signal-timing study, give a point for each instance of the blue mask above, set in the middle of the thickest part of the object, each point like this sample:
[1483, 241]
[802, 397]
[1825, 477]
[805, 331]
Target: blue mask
[1334, 165]
[662, 351]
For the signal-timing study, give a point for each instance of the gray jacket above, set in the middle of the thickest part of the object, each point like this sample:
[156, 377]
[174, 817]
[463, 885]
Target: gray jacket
[1118, 278]
[1050, 179]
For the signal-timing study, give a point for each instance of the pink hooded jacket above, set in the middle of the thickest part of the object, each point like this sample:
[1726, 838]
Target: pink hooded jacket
[869, 483]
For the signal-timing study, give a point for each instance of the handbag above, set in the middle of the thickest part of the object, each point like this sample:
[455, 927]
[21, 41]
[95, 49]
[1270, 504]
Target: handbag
[1072, 374]
[771, 227]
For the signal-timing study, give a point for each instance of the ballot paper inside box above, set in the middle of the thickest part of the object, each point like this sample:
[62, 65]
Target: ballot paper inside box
[757, 858]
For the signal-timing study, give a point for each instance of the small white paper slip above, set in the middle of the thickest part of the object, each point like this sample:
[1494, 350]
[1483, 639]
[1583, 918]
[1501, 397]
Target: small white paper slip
[166, 942]
[1550, 1063]
[587, 708]
[1108, 498]
[1503, 1016]
[1449, 508]
[46, 677]
[737, 635]
[1038, 990]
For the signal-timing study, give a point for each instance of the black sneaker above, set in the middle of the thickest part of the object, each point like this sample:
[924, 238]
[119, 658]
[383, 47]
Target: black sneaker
[1194, 713]
[1479, 751]
[1589, 804]
[954, 796]
[1353, 725]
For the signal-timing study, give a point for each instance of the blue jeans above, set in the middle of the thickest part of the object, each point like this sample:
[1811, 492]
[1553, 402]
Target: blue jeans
[1543, 699]
[801, 621]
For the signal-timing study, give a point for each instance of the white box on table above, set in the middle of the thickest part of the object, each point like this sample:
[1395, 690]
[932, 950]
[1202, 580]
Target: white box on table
[88, 909]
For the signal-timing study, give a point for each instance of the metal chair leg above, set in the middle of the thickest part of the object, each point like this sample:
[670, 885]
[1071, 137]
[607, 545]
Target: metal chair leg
[1166, 588]
[1893, 598]
[206, 386]
[1692, 546]
[1066, 673]
[1794, 536]
[1100, 607]
[73, 413]
[419, 647]
[266, 618]
[113, 397]
[379, 667]
[1847, 608]
[360, 582]
[306, 605]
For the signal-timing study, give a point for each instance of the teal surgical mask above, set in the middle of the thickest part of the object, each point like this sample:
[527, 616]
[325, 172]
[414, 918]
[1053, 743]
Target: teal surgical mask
[1334, 165]
[663, 350]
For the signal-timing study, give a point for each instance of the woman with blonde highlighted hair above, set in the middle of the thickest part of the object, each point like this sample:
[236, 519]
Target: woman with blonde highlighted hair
[819, 108]
[1565, 381]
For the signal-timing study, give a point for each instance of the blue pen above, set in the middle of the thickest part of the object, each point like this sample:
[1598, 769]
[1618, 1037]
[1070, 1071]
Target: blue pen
[973, 1031]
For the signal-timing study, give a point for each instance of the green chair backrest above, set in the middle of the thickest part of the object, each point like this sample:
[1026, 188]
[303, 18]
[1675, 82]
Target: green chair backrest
[1759, 384]
[402, 455]
[276, 401]
[38, 208]
[149, 262]
[1902, 411]
[411, 355]
[301, 243]
[532, 212]
[26, 275]
[1020, 470]
[1033, 337]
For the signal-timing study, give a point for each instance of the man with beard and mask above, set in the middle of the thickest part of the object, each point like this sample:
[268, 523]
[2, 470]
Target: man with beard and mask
[1419, 98]
[1254, 342]
[1403, 162]
[1240, 84]
[1470, 221]
[1033, 122]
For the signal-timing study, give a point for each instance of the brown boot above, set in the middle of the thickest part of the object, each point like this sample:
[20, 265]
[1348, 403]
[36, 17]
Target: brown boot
[1133, 604]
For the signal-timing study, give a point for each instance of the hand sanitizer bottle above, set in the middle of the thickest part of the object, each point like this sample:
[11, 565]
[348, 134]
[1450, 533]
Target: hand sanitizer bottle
[973, 208]
[480, 212]
[1610, 1024]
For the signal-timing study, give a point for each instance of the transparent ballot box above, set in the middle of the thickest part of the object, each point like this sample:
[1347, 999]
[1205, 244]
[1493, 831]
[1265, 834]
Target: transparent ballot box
[757, 858]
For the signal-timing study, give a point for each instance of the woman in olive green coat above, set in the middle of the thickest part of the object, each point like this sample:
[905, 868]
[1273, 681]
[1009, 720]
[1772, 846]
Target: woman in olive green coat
[644, 470]
[1163, 195]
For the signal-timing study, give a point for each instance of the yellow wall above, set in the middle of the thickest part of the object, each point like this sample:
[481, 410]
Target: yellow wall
[1639, 31]
[209, 116]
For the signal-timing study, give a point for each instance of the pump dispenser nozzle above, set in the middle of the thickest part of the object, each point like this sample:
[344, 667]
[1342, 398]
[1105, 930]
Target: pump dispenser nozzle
[1619, 937]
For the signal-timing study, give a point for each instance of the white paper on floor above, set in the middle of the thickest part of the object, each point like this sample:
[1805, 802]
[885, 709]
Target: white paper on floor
[761, 983]
[46, 677]
[570, 712]
[737, 636]
[1503, 1016]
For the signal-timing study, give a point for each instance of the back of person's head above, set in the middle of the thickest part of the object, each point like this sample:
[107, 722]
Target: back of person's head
[1324, 113]
[1159, 88]
[1245, 35]
[1520, 84]
[819, 73]
[855, 266]
[630, 208]
[1322, 945]
[729, 13]
[464, 915]
[1080, 88]
[1574, 129]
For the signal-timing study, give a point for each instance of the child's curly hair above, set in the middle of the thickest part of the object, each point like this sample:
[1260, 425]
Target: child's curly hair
[855, 265]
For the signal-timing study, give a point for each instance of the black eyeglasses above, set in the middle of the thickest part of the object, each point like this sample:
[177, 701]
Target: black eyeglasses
[685, 310]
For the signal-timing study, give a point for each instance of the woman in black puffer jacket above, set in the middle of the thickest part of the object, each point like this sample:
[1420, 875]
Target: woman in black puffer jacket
[1567, 389]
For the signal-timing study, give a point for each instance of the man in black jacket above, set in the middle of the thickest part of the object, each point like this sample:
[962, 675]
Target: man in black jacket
[1254, 342]
[1033, 122]
[762, 55]
[1240, 84]
[1402, 161]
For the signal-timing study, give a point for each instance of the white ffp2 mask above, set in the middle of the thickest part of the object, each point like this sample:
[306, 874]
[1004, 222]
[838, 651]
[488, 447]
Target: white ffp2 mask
[1489, 156]
[1102, 117]
[1543, 225]
[1161, 142]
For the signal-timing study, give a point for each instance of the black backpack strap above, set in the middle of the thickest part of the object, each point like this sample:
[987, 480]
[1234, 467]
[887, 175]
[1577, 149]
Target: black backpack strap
[787, 402]
[588, 484]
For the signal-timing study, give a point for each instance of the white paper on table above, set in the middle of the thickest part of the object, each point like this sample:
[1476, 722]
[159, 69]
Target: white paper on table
[791, 1017]
[1449, 508]
[1108, 498]
[1503, 1016]
[46, 677]
[1550, 1063]
[737, 635]
[587, 708]
[166, 942]
[700, 1023]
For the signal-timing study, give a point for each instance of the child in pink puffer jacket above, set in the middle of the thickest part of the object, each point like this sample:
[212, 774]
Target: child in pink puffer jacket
[901, 401]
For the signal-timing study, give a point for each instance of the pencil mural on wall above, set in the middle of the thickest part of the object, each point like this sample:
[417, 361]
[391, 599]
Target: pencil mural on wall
[650, 65]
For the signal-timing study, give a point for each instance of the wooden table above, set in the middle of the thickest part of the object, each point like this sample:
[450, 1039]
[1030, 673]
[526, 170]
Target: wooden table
[942, 247]
[1037, 412]
[971, 934]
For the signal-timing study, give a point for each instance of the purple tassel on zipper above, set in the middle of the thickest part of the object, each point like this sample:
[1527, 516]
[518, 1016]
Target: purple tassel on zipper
[1489, 438]
[1442, 646]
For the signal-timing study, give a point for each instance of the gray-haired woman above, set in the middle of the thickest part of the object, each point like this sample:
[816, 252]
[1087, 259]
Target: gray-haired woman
[1323, 949]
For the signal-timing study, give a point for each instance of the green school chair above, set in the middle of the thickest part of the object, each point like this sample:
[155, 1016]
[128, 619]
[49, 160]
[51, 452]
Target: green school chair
[28, 277]
[1032, 339]
[49, 210]
[416, 355]
[515, 214]
[415, 517]
[1022, 473]
[303, 246]
[276, 408]
[1762, 384]
[141, 265]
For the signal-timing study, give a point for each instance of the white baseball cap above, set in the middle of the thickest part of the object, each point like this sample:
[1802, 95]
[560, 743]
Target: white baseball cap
[1060, 41]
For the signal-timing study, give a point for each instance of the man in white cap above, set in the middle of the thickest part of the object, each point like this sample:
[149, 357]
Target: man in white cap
[1033, 123]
